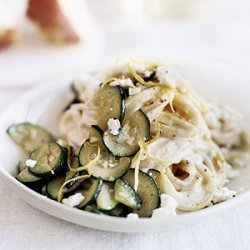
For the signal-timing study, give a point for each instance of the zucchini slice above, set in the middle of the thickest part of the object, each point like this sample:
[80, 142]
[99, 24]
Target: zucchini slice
[126, 195]
[51, 159]
[21, 166]
[26, 177]
[44, 190]
[118, 211]
[107, 167]
[54, 186]
[154, 173]
[106, 200]
[29, 136]
[91, 193]
[95, 136]
[71, 174]
[147, 190]
[136, 128]
[111, 104]
[92, 209]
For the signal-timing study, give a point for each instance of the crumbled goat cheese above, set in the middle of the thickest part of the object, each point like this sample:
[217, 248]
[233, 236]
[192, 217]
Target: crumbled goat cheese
[73, 200]
[141, 69]
[30, 163]
[223, 194]
[167, 75]
[167, 208]
[114, 126]
[132, 216]
[111, 178]
[125, 83]
[134, 90]
[147, 73]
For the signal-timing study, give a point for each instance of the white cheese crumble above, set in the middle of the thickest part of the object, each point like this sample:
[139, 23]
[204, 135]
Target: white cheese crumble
[30, 163]
[141, 69]
[125, 83]
[167, 208]
[132, 216]
[134, 90]
[167, 75]
[114, 126]
[223, 194]
[73, 200]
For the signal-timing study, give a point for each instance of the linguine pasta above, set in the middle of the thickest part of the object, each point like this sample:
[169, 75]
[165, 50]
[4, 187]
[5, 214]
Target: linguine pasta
[194, 143]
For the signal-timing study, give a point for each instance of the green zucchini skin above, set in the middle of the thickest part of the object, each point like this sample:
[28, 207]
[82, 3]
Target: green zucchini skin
[91, 193]
[148, 191]
[29, 136]
[54, 186]
[92, 209]
[121, 144]
[30, 180]
[42, 169]
[119, 211]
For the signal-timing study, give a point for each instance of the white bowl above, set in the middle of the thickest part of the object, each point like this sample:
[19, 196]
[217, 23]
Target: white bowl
[44, 105]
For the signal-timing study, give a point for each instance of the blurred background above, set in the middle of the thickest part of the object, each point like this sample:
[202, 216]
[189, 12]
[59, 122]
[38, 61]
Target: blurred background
[169, 30]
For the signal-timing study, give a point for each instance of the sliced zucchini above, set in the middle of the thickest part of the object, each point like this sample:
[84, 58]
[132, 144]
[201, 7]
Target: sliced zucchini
[147, 190]
[54, 186]
[111, 104]
[90, 194]
[126, 195]
[92, 209]
[105, 200]
[154, 173]
[26, 177]
[95, 137]
[107, 167]
[51, 159]
[136, 128]
[21, 166]
[29, 136]
[118, 211]
[72, 174]
[44, 190]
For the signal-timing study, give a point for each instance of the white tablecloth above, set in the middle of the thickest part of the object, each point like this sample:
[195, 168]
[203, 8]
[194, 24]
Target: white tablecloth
[23, 227]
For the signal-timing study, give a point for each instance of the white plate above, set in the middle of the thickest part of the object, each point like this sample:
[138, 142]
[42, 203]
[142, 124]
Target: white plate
[44, 105]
